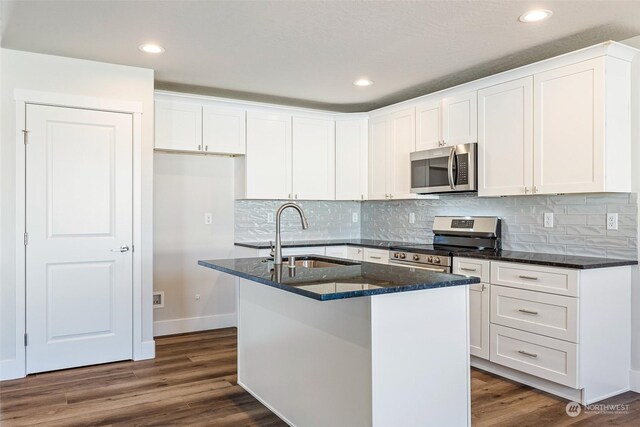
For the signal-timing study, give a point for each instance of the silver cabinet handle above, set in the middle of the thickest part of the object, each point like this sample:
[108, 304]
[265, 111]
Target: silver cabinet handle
[528, 277]
[534, 190]
[467, 269]
[289, 195]
[452, 154]
[206, 148]
[526, 353]
[296, 196]
[526, 190]
[484, 287]
[524, 310]
[123, 248]
[374, 257]
[199, 147]
[362, 197]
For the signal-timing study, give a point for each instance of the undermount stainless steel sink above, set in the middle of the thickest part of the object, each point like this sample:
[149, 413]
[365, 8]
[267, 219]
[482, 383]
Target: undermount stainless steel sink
[317, 262]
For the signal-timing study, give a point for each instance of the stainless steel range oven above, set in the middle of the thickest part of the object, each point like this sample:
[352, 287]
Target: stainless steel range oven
[445, 170]
[451, 235]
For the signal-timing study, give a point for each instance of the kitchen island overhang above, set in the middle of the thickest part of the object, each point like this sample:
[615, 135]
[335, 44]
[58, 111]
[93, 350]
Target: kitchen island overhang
[394, 354]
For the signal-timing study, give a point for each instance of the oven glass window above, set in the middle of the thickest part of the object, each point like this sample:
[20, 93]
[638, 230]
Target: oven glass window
[429, 173]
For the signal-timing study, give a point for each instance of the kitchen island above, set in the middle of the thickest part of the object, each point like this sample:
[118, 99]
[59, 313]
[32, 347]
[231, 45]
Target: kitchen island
[353, 344]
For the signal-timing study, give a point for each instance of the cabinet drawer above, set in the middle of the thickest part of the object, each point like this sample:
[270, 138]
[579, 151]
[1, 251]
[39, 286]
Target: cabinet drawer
[376, 255]
[472, 267]
[336, 251]
[544, 357]
[536, 278]
[545, 314]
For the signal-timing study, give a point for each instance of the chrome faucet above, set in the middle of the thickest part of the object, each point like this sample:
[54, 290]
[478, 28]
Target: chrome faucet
[277, 250]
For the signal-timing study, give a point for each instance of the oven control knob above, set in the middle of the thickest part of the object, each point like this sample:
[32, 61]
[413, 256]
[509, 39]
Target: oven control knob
[396, 255]
[416, 257]
[430, 259]
[436, 260]
[402, 255]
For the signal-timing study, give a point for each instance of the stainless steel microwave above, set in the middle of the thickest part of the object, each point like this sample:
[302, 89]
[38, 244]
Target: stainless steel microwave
[445, 170]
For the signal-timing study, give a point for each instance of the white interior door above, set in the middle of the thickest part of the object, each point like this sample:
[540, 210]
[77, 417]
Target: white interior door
[79, 225]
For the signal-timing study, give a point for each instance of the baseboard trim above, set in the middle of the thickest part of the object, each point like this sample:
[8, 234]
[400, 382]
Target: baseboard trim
[193, 324]
[634, 377]
[11, 369]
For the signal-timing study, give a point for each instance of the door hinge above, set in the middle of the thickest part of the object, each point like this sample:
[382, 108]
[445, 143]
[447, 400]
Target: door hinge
[25, 133]
[26, 340]
[26, 238]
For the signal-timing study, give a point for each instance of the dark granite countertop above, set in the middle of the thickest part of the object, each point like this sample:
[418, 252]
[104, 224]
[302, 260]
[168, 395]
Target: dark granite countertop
[367, 243]
[550, 260]
[351, 279]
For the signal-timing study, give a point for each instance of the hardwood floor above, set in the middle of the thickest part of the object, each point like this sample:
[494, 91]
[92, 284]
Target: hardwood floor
[192, 382]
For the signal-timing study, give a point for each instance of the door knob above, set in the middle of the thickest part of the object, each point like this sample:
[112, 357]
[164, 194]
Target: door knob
[123, 248]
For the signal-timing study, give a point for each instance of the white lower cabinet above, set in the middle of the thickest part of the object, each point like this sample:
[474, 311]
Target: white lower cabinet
[478, 304]
[565, 331]
[355, 253]
[336, 251]
[378, 256]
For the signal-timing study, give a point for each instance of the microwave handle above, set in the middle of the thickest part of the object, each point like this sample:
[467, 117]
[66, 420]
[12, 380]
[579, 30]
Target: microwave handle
[452, 155]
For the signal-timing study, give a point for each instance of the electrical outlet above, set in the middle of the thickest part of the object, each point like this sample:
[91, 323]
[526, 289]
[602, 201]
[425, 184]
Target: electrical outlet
[197, 297]
[412, 218]
[354, 217]
[270, 217]
[548, 219]
[612, 221]
[208, 218]
[158, 299]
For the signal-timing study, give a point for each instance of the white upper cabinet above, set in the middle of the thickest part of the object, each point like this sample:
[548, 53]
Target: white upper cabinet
[313, 159]
[223, 130]
[460, 119]
[268, 158]
[566, 130]
[378, 158]
[505, 138]
[351, 159]
[451, 121]
[178, 126]
[193, 127]
[392, 137]
[429, 126]
[402, 143]
[581, 128]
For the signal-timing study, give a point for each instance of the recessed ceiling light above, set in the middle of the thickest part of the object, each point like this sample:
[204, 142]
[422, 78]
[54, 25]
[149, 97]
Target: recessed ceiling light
[363, 82]
[535, 15]
[151, 48]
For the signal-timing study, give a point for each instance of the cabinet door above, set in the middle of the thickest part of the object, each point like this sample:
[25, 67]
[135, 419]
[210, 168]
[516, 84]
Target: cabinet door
[223, 130]
[505, 138]
[178, 126]
[402, 143]
[460, 119]
[569, 129]
[268, 159]
[351, 160]
[313, 159]
[378, 154]
[428, 126]
[479, 320]
[336, 251]
[355, 253]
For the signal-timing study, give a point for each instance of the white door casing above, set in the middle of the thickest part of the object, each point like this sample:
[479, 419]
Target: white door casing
[79, 213]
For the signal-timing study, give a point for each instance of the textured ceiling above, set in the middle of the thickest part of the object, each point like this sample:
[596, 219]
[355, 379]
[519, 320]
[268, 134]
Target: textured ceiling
[307, 53]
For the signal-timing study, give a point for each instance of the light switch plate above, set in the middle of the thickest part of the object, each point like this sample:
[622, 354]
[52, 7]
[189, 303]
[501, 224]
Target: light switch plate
[412, 218]
[548, 219]
[612, 221]
[208, 218]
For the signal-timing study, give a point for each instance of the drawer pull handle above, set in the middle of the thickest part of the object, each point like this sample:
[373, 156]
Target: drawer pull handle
[526, 353]
[524, 310]
[374, 257]
[467, 269]
[528, 277]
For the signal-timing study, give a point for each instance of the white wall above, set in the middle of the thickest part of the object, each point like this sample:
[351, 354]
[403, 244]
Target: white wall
[29, 71]
[186, 186]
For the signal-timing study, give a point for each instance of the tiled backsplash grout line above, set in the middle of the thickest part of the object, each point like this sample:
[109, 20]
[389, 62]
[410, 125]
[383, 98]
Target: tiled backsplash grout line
[579, 221]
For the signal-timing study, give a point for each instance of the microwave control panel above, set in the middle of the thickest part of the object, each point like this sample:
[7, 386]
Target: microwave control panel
[463, 169]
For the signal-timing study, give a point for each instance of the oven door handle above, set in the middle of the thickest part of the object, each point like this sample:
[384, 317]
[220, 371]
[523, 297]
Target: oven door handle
[419, 267]
[452, 155]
